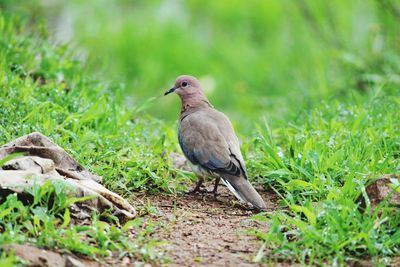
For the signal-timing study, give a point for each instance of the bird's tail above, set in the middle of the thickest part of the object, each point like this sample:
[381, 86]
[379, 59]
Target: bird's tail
[244, 191]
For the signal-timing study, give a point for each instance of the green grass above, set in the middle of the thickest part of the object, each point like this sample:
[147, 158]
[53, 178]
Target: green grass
[43, 89]
[320, 166]
[312, 88]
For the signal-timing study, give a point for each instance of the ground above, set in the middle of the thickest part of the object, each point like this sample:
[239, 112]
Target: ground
[198, 230]
[202, 230]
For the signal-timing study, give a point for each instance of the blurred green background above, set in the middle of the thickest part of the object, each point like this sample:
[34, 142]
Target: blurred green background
[256, 59]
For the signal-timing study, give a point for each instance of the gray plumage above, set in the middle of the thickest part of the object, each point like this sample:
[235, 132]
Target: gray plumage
[209, 142]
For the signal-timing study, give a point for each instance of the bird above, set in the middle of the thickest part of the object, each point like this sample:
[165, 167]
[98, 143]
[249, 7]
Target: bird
[208, 140]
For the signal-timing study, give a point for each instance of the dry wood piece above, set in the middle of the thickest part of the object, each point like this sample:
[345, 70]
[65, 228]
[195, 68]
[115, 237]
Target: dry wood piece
[43, 160]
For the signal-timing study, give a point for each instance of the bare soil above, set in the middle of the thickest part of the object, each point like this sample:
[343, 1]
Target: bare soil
[204, 231]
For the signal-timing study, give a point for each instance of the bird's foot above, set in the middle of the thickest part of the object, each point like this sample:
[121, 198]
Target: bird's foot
[197, 188]
[215, 194]
[194, 191]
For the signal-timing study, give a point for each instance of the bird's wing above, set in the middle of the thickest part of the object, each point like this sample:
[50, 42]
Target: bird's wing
[225, 126]
[206, 139]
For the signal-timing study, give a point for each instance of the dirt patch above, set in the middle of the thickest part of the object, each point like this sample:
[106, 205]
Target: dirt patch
[201, 230]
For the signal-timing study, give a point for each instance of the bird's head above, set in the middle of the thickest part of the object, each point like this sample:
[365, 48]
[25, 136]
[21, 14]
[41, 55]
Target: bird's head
[188, 88]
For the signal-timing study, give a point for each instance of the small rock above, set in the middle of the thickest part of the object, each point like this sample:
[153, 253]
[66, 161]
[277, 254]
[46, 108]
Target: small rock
[126, 261]
[35, 256]
[72, 262]
[379, 190]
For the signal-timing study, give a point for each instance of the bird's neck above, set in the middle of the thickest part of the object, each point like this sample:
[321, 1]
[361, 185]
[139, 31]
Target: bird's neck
[191, 102]
[189, 107]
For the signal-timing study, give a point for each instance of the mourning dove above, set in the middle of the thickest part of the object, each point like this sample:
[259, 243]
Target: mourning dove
[209, 142]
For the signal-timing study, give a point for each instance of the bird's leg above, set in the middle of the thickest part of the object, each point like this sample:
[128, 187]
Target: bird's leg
[216, 187]
[196, 189]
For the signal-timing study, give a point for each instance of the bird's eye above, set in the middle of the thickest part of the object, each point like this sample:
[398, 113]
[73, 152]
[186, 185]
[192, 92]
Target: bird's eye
[184, 84]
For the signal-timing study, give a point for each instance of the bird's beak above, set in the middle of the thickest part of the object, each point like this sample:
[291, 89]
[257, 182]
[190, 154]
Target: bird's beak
[170, 91]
